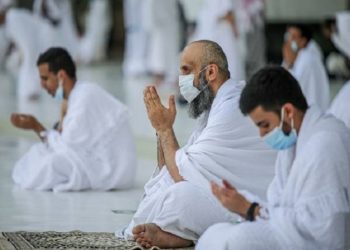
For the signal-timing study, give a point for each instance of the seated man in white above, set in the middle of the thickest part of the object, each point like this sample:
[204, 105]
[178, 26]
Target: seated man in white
[307, 203]
[178, 205]
[302, 57]
[93, 147]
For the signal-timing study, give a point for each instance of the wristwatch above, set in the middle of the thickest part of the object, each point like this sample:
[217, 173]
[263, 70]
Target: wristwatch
[251, 210]
[43, 135]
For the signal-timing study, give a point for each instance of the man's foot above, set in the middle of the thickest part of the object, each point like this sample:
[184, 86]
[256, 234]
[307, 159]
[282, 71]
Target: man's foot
[148, 235]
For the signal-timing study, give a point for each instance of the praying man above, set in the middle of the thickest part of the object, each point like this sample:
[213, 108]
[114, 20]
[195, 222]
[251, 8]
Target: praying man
[178, 205]
[307, 204]
[92, 147]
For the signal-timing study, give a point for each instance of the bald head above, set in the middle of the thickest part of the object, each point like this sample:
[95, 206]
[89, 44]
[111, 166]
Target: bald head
[207, 52]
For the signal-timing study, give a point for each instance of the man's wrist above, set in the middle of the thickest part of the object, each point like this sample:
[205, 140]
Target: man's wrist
[251, 212]
[162, 132]
[39, 128]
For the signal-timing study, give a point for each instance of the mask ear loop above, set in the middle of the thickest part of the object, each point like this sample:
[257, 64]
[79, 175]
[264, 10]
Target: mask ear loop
[207, 85]
[282, 117]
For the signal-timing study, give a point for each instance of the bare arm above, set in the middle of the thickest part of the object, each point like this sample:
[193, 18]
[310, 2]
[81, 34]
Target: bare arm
[162, 120]
[230, 18]
[160, 153]
[170, 145]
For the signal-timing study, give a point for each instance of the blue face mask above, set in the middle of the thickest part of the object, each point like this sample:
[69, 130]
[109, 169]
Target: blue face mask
[278, 140]
[59, 94]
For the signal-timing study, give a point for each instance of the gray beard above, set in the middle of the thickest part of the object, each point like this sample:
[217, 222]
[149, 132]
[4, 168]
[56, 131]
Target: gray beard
[203, 101]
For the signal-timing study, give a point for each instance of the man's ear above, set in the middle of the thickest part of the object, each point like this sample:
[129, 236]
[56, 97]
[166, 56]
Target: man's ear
[61, 74]
[212, 72]
[289, 111]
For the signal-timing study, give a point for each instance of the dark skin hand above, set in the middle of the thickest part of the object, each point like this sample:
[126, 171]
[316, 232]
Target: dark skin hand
[231, 199]
[27, 122]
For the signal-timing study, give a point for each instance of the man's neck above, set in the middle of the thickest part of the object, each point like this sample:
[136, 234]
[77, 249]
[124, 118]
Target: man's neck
[217, 84]
[69, 87]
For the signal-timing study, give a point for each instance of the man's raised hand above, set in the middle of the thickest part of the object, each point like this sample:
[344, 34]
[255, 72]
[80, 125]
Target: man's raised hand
[161, 118]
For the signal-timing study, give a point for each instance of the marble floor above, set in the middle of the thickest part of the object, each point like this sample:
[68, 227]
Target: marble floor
[88, 210]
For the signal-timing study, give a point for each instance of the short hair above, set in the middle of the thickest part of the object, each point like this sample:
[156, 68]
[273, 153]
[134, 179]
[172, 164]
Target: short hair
[329, 22]
[272, 87]
[213, 54]
[305, 31]
[58, 58]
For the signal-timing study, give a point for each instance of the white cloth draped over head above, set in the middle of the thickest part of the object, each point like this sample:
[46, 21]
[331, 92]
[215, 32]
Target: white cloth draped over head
[311, 74]
[308, 200]
[341, 103]
[225, 145]
[94, 151]
[341, 38]
[212, 26]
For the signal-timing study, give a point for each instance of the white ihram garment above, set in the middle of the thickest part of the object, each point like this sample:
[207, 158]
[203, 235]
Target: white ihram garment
[311, 74]
[308, 200]
[225, 145]
[341, 104]
[94, 151]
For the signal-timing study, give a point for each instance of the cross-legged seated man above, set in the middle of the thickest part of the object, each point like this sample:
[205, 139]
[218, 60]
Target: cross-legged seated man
[178, 205]
[307, 203]
[92, 147]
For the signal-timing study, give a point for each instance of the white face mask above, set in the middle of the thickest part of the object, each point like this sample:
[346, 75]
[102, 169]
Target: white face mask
[294, 46]
[187, 88]
[59, 94]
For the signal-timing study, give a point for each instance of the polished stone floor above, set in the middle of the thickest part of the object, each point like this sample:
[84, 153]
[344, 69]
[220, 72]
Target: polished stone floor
[88, 210]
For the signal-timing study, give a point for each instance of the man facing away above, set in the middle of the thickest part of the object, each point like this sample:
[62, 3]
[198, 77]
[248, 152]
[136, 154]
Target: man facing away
[92, 148]
[302, 56]
[178, 205]
[308, 200]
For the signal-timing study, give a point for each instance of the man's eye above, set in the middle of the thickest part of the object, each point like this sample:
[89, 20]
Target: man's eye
[264, 125]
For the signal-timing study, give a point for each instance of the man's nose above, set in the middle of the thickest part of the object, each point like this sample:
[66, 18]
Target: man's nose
[263, 132]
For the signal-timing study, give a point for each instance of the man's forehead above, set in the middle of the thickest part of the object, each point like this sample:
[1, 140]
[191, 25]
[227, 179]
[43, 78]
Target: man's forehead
[259, 113]
[191, 55]
[44, 67]
[294, 31]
